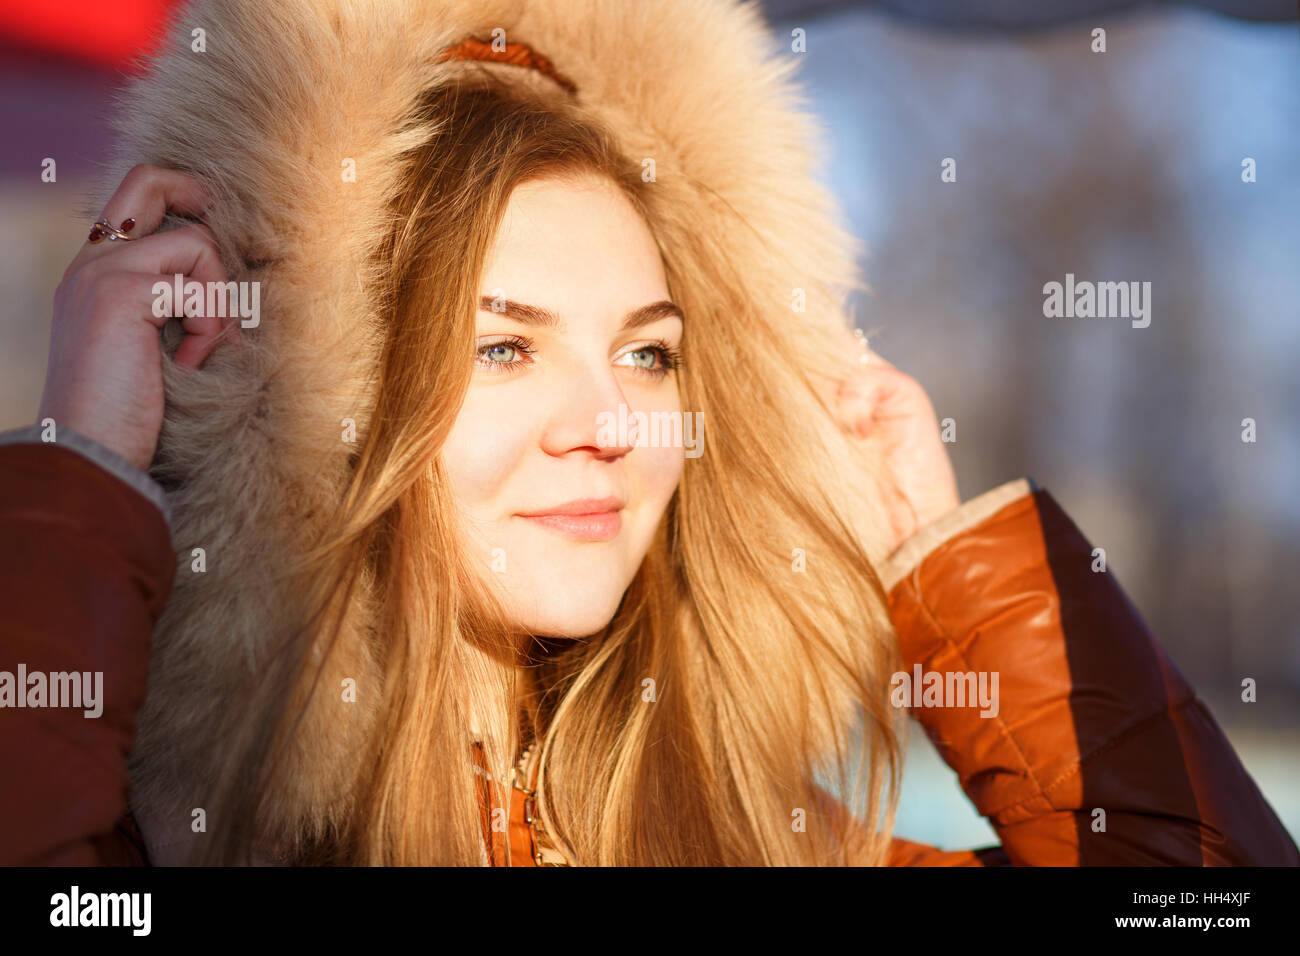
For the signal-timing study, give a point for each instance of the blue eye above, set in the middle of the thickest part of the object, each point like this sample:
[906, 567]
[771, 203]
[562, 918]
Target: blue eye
[497, 356]
[656, 359]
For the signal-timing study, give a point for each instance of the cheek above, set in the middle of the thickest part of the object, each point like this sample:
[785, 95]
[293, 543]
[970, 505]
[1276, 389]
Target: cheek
[484, 447]
[658, 472]
[657, 463]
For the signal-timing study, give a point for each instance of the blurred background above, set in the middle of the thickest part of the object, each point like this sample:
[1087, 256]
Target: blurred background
[1122, 165]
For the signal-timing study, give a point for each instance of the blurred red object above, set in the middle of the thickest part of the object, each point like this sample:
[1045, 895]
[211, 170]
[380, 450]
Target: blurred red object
[112, 33]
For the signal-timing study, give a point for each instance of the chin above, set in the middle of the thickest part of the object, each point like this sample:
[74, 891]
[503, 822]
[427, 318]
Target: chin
[581, 618]
[570, 603]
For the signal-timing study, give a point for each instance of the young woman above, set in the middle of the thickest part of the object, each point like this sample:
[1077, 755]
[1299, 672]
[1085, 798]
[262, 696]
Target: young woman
[539, 505]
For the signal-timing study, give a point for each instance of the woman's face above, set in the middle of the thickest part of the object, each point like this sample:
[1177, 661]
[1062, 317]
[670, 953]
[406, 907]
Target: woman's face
[558, 497]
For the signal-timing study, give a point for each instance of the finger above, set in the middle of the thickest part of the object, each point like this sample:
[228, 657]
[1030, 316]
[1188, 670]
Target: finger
[113, 306]
[204, 338]
[147, 193]
[197, 260]
[871, 381]
[857, 348]
[875, 358]
[145, 196]
[190, 251]
[861, 396]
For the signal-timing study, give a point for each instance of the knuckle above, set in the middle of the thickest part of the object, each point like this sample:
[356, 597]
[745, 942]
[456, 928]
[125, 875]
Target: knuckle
[139, 173]
[87, 273]
[74, 284]
[902, 378]
[198, 232]
[62, 292]
[72, 269]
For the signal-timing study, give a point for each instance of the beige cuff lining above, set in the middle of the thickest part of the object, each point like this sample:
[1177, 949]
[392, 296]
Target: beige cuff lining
[915, 549]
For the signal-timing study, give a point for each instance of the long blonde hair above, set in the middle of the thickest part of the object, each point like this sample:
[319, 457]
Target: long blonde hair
[745, 672]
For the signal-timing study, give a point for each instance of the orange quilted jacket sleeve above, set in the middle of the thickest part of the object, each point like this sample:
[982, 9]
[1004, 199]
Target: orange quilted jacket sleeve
[1100, 752]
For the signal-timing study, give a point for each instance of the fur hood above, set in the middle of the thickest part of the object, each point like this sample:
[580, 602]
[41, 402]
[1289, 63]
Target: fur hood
[267, 114]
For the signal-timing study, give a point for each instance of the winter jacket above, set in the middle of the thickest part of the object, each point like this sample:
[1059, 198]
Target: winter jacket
[1092, 714]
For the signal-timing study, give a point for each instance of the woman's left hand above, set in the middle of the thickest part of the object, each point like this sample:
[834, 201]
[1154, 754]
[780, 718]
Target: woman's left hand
[890, 411]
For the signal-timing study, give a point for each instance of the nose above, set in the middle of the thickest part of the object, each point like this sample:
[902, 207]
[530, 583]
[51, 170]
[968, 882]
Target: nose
[591, 415]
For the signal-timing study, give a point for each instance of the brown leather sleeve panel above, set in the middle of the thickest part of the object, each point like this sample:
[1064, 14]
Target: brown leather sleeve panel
[86, 566]
[910, 853]
[1092, 713]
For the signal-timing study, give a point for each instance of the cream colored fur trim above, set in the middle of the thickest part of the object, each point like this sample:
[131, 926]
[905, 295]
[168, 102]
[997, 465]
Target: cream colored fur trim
[919, 546]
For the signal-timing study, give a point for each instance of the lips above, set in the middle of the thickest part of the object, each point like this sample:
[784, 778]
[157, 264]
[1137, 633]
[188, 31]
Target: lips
[585, 519]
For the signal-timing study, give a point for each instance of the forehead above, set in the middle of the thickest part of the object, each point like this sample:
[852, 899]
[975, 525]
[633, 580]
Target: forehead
[572, 246]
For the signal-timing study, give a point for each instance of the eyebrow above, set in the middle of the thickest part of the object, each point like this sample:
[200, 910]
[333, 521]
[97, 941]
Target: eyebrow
[535, 315]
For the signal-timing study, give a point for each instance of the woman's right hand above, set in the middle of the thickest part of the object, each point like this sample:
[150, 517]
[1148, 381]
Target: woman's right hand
[104, 377]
